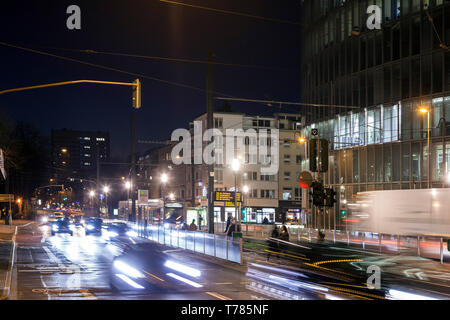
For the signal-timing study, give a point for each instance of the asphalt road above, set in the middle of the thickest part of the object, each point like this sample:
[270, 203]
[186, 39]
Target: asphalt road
[66, 267]
[78, 267]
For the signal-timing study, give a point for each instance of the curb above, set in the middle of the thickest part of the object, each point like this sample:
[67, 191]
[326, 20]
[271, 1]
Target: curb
[7, 289]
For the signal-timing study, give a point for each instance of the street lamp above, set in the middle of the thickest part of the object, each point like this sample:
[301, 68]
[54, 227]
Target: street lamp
[106, 190]
[425, 110]
[236, 166]
[164, 179]
[245, 189]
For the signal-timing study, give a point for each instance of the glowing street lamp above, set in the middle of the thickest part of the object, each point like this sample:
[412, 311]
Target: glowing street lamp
[164, 178]
[127, 185]
[92, 193]
[236, 166]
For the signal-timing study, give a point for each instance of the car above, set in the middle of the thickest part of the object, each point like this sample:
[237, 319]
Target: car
[56, 216]
[62, 225]
[93, 225]
[146, 266]
[118, 229]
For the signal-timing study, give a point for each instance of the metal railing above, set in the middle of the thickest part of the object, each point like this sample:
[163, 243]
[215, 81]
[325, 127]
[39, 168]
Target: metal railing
[215, 245]
[426, 246]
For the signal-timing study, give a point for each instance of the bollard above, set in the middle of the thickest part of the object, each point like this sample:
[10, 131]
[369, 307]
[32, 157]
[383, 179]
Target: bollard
[418, 246]
[348, 239]
[185, 240]
[214, 245]
[204, 243]
[334, 236]
[441, 251]
[194, 240]
[178, 238]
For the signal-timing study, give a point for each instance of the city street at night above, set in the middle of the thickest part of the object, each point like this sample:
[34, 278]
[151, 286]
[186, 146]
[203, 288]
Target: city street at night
[231, 159]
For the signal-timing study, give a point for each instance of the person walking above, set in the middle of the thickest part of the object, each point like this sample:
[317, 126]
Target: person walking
[231, 228]
[284, 234]
[272, 243]
[230, 216]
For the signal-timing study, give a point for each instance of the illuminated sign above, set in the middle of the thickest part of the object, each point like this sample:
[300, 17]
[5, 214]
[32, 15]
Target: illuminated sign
[227, 198]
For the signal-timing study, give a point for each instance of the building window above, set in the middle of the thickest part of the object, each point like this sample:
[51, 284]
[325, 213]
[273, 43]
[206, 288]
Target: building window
[287, 193]
[218, 123]
[287, 175]
[287, 158]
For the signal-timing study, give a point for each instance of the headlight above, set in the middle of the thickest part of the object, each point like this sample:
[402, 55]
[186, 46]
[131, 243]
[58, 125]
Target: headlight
[132, 234]
[72, 227]
[44, 219]
[166, 226]
[127, 270]
[90, 227]
[112, 234]
[55, 227]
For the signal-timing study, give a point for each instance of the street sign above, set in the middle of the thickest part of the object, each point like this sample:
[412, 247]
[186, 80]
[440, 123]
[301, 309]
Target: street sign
[6, 198]
[305, 180]
[2, 164]
[315, 132]
[142, 196]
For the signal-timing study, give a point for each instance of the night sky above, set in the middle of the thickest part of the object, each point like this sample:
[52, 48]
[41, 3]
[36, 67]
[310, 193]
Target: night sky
[150, 28]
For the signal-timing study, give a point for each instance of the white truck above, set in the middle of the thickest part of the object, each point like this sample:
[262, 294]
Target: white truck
[402, 212]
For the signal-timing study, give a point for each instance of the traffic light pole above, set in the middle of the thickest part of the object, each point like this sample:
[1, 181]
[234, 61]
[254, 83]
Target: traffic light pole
[319, 179]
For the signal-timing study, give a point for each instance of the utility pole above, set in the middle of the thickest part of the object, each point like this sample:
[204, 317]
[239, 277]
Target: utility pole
[133, 165]
[97, 194]
[210, 125]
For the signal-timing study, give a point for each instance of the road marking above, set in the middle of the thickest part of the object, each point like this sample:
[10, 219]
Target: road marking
[154, 276]
[52, 256]
[224, 283]
[87, 294]
[286, 254]
[336, 261]
[218, 296]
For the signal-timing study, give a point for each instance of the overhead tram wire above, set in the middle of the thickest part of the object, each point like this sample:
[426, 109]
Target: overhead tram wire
[107, 68]
[231, 12]
[168, 59]
[280, 103]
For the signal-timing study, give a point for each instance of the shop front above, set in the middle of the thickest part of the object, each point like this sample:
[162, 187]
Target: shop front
[198, 215]
[291, 212]
[259, 215]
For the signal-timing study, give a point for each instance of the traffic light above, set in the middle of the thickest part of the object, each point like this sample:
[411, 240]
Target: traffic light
[243, 215]
[323, 155]
[343, 212]
[330, 199]
[137, 94]
[317, 194]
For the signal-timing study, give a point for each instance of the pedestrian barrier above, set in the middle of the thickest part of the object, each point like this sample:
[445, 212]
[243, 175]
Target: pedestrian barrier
[215, 245]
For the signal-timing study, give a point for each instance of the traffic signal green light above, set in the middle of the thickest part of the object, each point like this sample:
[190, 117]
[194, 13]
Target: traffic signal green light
[343, 212]
[65, 199]
[137, 94]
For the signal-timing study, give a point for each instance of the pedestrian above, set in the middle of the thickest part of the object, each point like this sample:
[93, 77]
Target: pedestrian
[273, 243]
[231, 228]
[265, 221]
[230, 216]
[284, 234]
[193, 226]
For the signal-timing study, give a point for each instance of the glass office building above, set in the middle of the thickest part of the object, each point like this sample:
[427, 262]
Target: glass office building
[375, 82]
